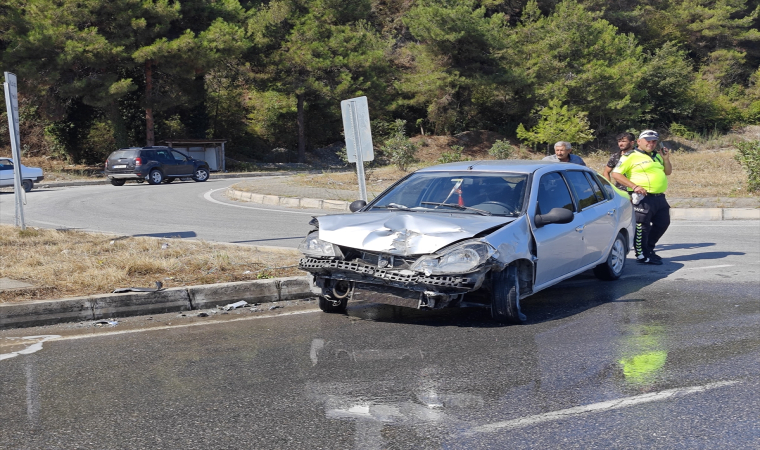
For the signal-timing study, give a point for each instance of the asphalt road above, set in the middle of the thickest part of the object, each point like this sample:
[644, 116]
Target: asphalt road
[180, 209]
[665, 357]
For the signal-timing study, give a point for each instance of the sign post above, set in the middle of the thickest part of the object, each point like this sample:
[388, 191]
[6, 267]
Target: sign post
[358, 133]
[11, 105]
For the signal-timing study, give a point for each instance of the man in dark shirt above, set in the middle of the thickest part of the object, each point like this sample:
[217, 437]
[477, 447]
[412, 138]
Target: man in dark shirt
[625, 145]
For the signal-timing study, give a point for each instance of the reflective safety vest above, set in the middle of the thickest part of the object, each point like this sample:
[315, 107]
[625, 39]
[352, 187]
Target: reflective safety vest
[645, 170]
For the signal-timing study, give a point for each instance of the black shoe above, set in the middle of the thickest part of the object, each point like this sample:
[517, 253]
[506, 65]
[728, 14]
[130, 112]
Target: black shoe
[655, 257]
[654, 262]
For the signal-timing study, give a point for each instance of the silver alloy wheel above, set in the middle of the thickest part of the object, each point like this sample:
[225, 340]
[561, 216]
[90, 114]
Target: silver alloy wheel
[201, 174]
[617, 256]
[156, 177]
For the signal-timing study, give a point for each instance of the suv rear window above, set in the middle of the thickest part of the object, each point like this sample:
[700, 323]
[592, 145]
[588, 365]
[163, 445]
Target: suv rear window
[124, 154]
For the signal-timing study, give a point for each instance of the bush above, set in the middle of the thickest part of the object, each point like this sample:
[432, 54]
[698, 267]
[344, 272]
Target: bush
[501, 149]
[453, 156]
[399, 148]
[749, 157]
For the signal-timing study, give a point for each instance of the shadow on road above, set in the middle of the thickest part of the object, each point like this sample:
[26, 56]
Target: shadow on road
[171, 234]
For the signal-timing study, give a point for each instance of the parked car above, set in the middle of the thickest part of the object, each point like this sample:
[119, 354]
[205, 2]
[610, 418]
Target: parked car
[484, 233]
[154, 165]
[29, 175]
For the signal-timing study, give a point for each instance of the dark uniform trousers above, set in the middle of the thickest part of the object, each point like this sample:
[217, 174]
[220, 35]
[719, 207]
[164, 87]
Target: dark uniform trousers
[652, 220]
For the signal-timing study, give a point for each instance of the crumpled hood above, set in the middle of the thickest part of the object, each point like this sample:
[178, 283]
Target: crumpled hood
[402, 232]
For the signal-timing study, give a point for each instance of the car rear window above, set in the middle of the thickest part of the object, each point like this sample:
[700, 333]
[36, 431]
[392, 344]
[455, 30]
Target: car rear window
[118, 154]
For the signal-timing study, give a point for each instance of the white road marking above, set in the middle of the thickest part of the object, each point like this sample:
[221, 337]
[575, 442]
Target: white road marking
[706, 267]
[35, 347]
[596, 407]
[207, 196]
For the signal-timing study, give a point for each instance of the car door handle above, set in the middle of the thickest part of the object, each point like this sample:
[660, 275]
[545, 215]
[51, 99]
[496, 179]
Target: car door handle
[580, 228]
[611, 213]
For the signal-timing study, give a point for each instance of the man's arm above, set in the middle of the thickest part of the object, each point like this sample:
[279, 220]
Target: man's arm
[665, 153]
[606, 173]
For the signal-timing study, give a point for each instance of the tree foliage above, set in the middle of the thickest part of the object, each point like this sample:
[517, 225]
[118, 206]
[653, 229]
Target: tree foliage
[270, 74]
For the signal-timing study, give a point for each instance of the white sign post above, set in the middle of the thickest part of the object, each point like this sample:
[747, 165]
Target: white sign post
[11, 105]
[358, 135]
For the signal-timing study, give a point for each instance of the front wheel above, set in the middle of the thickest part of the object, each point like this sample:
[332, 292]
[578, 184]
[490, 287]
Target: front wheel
[117, 182]
[328, 306]
[27, 185]
[201, 174]
[505, 297]
[155, 177]
[613, 267]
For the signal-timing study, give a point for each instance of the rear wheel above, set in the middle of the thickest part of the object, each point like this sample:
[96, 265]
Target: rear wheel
[117, 182]
[155, 177]
[328, 306]
[27, 185]
[505, 297]
[201, 174]
[613, 267]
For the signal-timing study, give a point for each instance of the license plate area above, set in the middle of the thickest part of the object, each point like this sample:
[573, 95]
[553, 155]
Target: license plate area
[120, 166]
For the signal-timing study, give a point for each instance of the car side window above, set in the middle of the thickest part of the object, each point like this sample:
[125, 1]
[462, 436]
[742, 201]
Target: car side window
[553, 193]
[609, 191]
[163, 155]
[593, 180]
[178, 156]
[582, 188]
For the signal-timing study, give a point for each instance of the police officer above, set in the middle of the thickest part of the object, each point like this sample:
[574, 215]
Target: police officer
[644, 172]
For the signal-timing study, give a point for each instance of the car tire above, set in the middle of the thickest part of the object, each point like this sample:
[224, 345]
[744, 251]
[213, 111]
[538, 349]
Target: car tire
[329, 307]
[201, 174]
[505, 297]
[117, 182]
[612, 268]
[155, 177]
[168, 180]
[27, 185]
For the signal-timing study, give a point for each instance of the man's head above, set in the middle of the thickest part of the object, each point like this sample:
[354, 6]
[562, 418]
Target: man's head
[648, 140]
[625, 141]
[563, 149]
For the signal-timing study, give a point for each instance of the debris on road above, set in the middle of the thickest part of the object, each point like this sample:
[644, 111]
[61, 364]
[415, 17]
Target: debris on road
[235, 305]
[110, 323]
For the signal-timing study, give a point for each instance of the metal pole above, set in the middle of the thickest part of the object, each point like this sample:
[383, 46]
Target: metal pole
[359, 160]
[18, 190]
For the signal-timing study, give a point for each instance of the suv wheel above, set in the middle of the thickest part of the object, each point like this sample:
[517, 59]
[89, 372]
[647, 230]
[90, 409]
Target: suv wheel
[27, 185]
[117, 182]
[201, 174]
[155, 177]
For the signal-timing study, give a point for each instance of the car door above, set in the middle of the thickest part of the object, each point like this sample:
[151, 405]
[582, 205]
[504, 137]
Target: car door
[559, 247]
[6, 172]
[184, 166]
[167, 161]
[596, 213]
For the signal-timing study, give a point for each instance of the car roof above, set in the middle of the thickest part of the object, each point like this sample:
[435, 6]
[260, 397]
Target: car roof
[507, 165]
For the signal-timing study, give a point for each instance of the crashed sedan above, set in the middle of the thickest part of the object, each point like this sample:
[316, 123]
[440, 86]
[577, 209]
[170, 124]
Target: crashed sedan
[474, 233]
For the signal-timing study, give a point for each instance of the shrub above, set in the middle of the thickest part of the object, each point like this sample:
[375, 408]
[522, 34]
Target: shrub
[501, 149]
[748, 156]
[399, 148]
[453, 156]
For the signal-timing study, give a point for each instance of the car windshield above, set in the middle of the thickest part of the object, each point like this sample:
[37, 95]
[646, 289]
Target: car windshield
[469, 192]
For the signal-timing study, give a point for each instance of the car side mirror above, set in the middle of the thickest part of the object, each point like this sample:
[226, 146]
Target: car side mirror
[357, 205]
[556, 215]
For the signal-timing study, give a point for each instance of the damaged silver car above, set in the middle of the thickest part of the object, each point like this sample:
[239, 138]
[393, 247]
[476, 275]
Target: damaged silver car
[474, 233]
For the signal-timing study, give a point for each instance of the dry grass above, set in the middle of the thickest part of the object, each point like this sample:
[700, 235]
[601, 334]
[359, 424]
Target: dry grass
[697, 174]
[73, 263]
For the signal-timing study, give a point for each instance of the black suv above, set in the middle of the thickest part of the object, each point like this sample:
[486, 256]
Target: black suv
[154, 164]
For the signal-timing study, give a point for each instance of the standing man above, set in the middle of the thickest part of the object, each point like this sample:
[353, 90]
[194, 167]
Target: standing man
[644, 172]
[625, 146]
[563, 153]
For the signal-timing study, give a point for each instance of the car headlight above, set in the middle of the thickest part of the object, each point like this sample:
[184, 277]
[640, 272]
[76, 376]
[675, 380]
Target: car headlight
[462, 258]
[313, 246]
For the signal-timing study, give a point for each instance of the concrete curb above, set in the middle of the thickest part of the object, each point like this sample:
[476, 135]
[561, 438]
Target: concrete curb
[337, 205]
[290, 202]
[77, 309]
